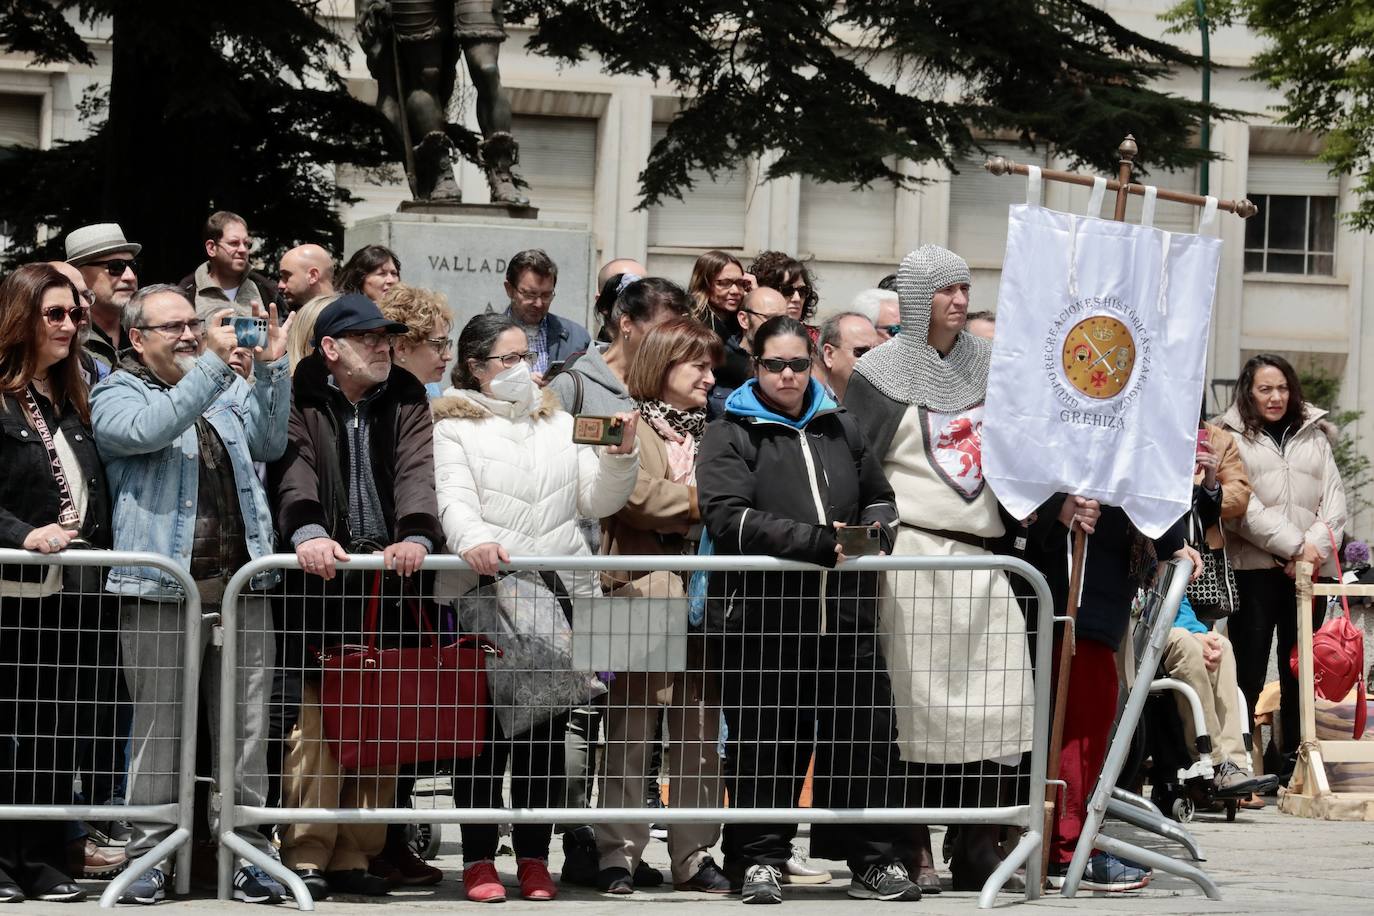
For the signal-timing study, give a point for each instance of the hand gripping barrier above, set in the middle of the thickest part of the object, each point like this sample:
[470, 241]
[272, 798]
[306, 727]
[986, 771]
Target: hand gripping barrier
[61, 643]
[889, 693]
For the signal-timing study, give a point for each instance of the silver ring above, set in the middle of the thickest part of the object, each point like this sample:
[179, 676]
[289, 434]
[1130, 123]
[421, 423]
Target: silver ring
[54, 543]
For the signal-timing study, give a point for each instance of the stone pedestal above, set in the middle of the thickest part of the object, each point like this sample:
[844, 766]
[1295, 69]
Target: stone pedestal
[462, 251]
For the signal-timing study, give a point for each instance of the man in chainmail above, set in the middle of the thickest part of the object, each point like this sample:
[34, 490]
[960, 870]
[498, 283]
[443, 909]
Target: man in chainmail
[959, 665]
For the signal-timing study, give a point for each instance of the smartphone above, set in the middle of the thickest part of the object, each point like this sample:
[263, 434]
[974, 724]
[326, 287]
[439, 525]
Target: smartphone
[588, 430]
[555, 367]
[1202, 435]
[860, 540]
[251, 332]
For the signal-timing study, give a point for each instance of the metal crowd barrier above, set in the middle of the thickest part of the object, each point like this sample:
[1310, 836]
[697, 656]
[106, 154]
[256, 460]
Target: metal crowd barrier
[69, 642]
[324, 788]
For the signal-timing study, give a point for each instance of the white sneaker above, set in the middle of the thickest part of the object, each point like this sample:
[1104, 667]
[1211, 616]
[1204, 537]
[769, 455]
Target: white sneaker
[799, 871]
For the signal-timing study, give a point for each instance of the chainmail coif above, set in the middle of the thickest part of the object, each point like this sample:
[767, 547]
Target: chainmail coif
[908, 368]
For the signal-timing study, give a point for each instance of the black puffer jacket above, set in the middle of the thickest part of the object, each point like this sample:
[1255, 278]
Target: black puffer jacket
[769, 487]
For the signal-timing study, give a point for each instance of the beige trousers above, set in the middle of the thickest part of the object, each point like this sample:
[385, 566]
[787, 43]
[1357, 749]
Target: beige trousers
[1221, 703]
[312, 778]
[632, 710]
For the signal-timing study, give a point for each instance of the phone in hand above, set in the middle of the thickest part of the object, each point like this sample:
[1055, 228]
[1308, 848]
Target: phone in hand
[589, 430]
[250, 332]
[860, 540]
[555, 367]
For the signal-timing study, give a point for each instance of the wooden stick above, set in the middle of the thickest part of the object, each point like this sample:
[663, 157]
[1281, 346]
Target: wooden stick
[1001, 165]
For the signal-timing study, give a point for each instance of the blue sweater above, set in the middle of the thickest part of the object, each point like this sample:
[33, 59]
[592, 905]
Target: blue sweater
[1187, 618]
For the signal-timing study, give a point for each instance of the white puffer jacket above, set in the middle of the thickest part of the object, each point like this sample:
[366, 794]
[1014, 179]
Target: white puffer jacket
[511, 474]
[1297, 494]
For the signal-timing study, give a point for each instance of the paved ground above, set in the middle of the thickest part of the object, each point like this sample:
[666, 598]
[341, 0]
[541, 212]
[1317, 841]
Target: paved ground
[1265, 863]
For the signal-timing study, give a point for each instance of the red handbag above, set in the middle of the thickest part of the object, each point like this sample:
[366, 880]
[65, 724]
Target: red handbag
[1338, 656]
[384, 707]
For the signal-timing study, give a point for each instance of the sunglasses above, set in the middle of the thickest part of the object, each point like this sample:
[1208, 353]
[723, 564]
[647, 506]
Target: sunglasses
[860, 351]
[57, 313]
[115, 267]
[796, 289]
[775, 364]
[892, 329]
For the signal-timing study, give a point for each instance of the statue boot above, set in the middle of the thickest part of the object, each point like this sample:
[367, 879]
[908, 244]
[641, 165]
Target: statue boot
[434, 169]
[500, 153]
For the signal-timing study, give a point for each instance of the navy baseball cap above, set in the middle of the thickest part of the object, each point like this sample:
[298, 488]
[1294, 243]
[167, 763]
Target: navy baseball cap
[350, 313]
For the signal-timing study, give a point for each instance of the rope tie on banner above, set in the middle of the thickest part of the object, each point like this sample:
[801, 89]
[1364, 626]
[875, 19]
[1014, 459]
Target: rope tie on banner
[1147, 208]
[1034, 186]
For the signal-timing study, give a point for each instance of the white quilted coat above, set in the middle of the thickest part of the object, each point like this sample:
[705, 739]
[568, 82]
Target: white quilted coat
[1297, 494]
[510, 474]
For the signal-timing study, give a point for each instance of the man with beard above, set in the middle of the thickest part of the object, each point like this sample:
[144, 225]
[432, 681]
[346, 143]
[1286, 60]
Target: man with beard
[226, 278]
[109, 269]
[305, 272]
[357, 477]
[179, 431]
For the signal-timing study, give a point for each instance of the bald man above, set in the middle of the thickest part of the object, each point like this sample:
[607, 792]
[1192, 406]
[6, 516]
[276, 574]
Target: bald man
[762, 303]
[305, 272]
[618, 266]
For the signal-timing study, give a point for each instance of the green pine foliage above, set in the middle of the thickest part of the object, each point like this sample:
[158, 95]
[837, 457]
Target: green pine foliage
[836, 91]
[210, 106]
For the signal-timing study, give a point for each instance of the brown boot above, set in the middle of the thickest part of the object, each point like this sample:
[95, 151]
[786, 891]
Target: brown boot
[500, 153]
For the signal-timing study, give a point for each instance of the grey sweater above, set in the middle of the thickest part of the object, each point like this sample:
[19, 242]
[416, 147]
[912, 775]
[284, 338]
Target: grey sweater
[603, 393]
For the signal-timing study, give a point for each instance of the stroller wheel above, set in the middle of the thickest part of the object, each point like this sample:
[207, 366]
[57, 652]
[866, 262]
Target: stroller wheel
[425, 840]
[1182, 809]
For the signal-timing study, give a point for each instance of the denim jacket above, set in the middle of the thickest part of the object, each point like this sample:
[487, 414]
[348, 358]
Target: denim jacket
[146, 432]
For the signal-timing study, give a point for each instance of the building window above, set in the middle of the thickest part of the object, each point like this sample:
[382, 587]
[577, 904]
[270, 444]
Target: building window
[978, 204]
[20, 120]
[837, 221]
[1295, 229]
[558, 160]
[1291, 234]
[710, 214]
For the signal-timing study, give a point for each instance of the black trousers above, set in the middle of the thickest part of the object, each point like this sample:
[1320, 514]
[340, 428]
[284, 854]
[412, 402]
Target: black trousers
[1268, 603]
[536, 765]
[785, 698]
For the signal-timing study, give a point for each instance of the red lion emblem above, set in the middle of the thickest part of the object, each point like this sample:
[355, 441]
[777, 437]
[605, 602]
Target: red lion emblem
[964, 436]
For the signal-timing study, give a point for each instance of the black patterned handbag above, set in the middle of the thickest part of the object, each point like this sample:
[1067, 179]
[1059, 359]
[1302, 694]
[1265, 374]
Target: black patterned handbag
[1213, 594]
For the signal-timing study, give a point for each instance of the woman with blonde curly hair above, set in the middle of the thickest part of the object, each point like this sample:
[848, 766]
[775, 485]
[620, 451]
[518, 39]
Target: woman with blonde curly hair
[426, 349]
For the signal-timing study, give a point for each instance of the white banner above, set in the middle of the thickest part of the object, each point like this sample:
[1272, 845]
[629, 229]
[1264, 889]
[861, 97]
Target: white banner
[1098, 365]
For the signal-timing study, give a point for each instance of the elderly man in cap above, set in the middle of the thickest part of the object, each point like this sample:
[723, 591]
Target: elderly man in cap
[179, 431]
[109, 267]
[357, 477]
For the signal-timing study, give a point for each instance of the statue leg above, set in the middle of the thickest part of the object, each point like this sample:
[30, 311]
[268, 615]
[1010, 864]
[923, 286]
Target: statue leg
[423, 76]
[500, 152]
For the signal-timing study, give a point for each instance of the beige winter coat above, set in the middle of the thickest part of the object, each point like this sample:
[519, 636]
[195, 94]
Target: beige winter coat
[1297, 493]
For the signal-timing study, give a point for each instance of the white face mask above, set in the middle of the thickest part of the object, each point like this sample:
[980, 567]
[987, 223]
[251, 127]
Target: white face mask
[514, 384]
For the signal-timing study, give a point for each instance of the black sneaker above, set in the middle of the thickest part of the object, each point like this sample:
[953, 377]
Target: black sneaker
[884, 882]
[253, 885]
[709, 879]
[109, 833]
[761, 885]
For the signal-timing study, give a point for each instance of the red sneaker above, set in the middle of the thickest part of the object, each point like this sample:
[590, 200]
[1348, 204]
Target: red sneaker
[482, 883]
[535, 881]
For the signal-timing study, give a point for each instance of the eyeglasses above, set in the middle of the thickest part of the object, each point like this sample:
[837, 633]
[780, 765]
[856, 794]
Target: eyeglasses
[245, 244]
[115, 267]
[724, 284]
[56, 314]
[511, 359]
[796, 289]
[369, 339]
[775, 365]
[763, 315]
[534, 296]
[443, 346]
[860, 351]
[892, 329]
[175, 329]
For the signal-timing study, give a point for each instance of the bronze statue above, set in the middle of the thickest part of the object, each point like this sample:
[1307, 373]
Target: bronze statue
[412, 49]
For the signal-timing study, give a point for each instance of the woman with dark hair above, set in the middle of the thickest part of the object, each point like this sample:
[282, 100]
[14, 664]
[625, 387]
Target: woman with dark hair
[784, 273]
[372, 271]
[779, 474]
[53, 492]
[511, 481]
[718, 287]
[595, 382]
[1296, 512]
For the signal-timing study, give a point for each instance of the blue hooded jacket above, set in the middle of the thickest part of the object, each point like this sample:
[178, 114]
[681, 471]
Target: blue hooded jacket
[745, 402]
